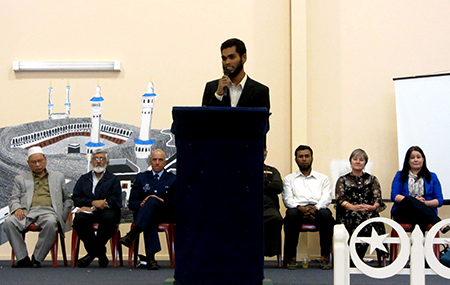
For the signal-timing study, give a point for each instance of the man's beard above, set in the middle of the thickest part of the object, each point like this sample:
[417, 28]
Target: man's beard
[304, 167]
[99, 169]
[237, 70]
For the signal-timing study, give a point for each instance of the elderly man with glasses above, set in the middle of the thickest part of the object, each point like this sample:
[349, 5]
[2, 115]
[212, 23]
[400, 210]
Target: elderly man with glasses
[98, 196]
[39, 196]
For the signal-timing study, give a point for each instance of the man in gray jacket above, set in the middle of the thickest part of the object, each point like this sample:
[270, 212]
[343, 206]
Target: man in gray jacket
[38, 197]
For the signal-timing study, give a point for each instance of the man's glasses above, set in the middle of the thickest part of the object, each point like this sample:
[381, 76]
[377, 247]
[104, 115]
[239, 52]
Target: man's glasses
[99, 159]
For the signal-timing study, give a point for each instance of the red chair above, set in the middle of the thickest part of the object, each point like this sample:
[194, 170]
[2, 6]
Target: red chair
[409, 228]
[116, 250]
[54, 250]
[169, 229]
[310, 228]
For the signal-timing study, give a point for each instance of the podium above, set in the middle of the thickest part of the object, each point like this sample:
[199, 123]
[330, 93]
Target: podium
[219, 216]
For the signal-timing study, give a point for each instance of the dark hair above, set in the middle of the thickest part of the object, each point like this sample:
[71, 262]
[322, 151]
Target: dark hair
[303, 147]
[240, 46]
[423, 173]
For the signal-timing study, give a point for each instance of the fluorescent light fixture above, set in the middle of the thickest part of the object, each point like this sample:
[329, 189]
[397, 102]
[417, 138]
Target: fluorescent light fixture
[66, 66]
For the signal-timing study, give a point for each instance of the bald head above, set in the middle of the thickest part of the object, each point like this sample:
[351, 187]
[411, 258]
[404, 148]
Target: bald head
[158, 160]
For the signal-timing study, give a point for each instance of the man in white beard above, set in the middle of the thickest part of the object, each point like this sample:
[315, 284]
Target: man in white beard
[99, 196]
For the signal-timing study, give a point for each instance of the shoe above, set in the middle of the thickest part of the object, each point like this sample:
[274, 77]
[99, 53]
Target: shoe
[325, 264]
[445, 229]
[103, 260]
[35, 263]
[152, 264]
[292, 264]
[24, 262]
[127, 240]
[85, 261]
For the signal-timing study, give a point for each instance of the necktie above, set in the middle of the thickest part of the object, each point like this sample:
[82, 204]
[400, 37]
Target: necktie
[156, 176]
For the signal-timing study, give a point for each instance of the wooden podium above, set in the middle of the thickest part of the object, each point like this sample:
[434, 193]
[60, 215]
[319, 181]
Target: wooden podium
[219, 217]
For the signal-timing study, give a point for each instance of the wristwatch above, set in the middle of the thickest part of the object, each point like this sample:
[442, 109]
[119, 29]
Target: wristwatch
[93, 208]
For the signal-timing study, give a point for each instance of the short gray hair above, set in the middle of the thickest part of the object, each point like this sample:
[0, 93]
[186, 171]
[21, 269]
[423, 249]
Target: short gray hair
[359, 152]
[99, 150]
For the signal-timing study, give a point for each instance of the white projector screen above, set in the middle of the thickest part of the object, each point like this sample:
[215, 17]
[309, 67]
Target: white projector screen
[423, 119]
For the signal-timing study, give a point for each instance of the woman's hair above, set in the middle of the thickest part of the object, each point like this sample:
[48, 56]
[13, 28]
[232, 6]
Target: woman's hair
[423, 173]
[359, 152]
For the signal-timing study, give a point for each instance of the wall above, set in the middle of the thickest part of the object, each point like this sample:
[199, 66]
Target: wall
[354, 50]
[342, 58]
[174, 43]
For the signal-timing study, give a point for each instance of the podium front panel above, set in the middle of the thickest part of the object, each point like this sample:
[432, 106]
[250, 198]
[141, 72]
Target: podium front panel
[219, 195]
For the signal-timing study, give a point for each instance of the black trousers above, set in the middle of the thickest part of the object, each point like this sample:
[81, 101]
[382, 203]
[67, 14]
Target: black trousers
[107, 222]
[293, 222]
[412, 211]
[273, 223]
[147, 219]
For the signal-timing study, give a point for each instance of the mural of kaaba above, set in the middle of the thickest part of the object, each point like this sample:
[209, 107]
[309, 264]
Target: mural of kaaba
[68, 142]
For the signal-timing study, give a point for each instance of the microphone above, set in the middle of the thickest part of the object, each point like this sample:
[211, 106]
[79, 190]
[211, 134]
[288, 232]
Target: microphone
[226, 90]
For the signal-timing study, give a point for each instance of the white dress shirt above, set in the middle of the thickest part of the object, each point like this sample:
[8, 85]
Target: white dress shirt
[95, 180]
[299, 190]
[235, 92]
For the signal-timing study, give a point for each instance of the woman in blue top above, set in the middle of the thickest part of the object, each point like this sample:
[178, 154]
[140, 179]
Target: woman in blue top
[416, 192]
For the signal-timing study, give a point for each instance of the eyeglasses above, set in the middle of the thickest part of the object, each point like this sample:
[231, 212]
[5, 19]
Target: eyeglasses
[99, 158]
[40, 161]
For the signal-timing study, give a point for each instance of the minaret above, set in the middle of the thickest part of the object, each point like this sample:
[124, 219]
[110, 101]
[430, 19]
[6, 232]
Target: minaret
[96, 111]
[56, 116]
[50, 101]
[67, 104]
[143, 145]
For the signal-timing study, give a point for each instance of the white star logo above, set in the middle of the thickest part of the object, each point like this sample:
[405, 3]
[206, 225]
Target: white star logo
[375, 241]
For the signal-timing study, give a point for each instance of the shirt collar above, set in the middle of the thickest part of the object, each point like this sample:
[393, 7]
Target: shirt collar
[95, 176]
[159, 173]
[299, 173]
[243, 81]
[36, 176]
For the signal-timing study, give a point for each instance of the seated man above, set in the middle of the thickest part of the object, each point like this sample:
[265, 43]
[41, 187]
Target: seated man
[273, 222]
[99, 197]
[306, 195]
[152, 198]
[38, 197]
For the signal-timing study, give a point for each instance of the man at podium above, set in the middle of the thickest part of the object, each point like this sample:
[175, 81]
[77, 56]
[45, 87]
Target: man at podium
[235, 88]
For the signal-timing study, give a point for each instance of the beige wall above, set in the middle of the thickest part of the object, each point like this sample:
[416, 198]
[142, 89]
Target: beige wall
[175, 43]
[341, 56]
[354, 50]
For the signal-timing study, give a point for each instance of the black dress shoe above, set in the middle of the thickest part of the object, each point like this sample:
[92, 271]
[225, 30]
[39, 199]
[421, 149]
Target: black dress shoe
[446, 229]
[152, 265]
[85, 261]
[103, 260]
[35, 263]
[127, 240]
[24, 262]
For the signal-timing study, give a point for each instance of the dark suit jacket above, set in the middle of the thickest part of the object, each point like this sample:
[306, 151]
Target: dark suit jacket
[107, 188]
[254, 94]
[146, 185]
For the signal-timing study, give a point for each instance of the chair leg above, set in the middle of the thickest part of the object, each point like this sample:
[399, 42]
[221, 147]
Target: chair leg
[54, 252]
[170, 244]
[280, 261]
[13, 256]
[437, 249]
[119, 249]
[130, 254]
[133, 253]
[114, 241]
[63, 248]
[75, 248]
[394, 247]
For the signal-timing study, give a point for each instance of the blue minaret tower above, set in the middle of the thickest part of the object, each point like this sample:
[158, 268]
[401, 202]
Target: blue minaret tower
[143, 145]
[96, 111]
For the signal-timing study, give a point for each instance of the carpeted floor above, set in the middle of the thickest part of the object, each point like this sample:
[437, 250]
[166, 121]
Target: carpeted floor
[122, 275]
